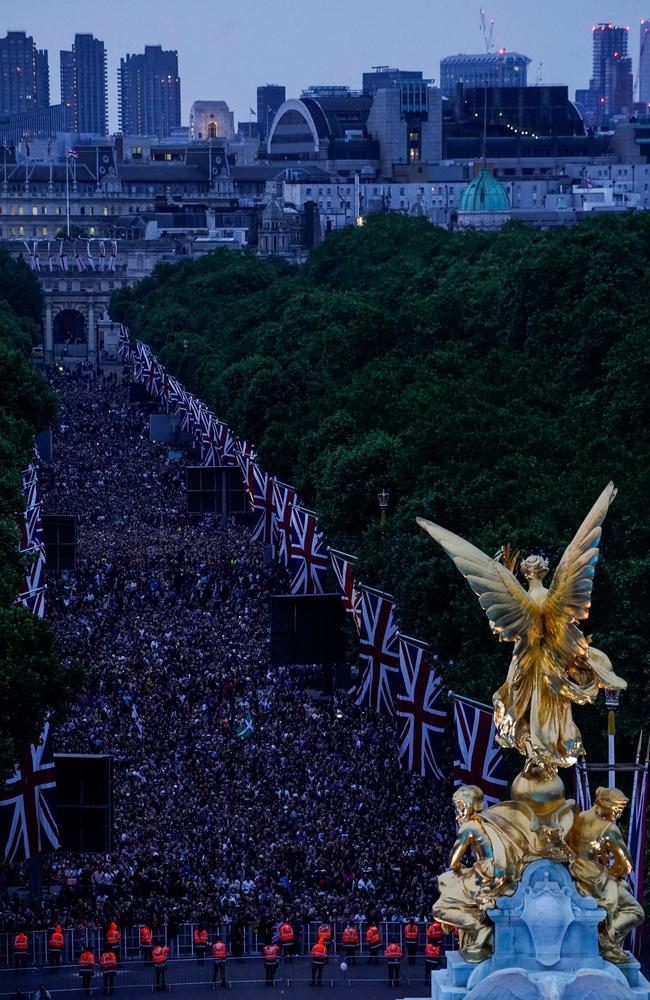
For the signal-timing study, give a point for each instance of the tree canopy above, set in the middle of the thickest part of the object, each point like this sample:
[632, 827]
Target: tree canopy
[492, 382]
[32, 682]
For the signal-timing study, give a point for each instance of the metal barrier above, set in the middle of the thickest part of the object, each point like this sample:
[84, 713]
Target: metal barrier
[181, 945]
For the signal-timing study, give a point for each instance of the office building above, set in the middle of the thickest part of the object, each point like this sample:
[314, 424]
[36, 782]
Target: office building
[383, 77]
[270, 97]
[24, 74]
[644, 62]
[84, 86]
[487, 69]
[149, 92]
[611, 82]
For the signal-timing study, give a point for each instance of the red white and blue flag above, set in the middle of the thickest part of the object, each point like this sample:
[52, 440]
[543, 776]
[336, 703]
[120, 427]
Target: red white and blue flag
[141, 357]
[27, 822]
[308, 555]
[152, 375]
[421, 708]
[123, 344]
[218, 444]
[342, 565]
[259, 487]
[283, 498]
[378, 652]
[478, 760]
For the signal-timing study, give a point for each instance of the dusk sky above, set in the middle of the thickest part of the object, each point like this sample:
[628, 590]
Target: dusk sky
[226, 49]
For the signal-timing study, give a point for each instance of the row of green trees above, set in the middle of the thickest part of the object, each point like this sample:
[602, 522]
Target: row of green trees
[32, 681]
[493, 383]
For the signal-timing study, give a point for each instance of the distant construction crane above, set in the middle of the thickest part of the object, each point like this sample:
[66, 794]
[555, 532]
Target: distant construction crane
[487, 30]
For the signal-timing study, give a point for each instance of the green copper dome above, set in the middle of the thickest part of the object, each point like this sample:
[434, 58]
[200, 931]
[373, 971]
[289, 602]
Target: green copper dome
[484, 194]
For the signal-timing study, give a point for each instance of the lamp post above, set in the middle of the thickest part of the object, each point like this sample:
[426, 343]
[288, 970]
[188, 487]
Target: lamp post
[382, 499]
[612, 696]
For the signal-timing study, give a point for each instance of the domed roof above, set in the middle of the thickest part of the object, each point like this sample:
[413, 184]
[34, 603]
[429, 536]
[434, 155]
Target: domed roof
[367, 170]
[484, 194]
[272, 212]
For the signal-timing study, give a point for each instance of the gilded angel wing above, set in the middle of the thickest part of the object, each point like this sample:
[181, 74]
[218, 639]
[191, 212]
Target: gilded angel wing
[504, 600]
[569, 596]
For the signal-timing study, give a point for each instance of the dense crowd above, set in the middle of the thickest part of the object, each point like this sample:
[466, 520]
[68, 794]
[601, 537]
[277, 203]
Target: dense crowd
[308, 816]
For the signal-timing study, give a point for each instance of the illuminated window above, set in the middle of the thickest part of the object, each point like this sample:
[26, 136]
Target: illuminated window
[43, 230]
[34, 210]
[21, 210]
[21, 230]
[105, 210]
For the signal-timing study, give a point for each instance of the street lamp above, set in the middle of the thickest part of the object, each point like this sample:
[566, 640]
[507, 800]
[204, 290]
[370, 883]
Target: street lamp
[382, 499]
[612, 697]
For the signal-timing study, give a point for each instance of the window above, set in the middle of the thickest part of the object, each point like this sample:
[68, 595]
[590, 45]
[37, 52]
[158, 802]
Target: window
[58, 210]
[21, 210]
[34, 230]
[82, 210]
[105, 210]
[34, 210]
[44, 210]
[43, 230]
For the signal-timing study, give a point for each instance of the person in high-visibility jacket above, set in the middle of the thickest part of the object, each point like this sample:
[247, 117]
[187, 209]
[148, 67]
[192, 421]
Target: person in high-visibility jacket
[325, 932]
[113, 939]
[411, 934]
[271, 953]
[435, 932]
[219, 956]
[108, 965]
[146, 943]
[159, 958]
[86, 969]
[55, 946]
[350, 942]
[373, 937]
[286, 940]
[201, 942]
[21, 949]
[319, 955]
[393, 955]
[432, 958]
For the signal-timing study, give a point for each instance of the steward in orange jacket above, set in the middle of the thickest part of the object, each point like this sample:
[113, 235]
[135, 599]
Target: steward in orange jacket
[350, 942]
[271, 954]
[113, 938]
[373, 937]
[146, 943]
[432, 957]
[55, 946]
[201, 942]
[86, 969]
[108, 965]
[411, 934]
[393, 955]
[21, 948]
[286, 939]
[319, 955]
[159, 958]
[219, 956]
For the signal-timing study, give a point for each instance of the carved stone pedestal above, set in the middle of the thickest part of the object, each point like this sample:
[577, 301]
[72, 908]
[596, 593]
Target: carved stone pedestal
[545, 948]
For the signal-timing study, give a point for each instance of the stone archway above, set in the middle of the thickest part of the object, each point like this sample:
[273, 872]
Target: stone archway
[69, 333]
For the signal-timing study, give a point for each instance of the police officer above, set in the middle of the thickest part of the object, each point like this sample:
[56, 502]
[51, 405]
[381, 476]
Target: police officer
[219, 955]
[271, 954]
[319, 955]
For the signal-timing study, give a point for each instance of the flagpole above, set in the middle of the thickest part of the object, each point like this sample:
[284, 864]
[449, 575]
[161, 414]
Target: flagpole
[635, 784]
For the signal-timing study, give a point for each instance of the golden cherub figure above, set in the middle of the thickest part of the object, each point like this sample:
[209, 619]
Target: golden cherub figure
[553, 663]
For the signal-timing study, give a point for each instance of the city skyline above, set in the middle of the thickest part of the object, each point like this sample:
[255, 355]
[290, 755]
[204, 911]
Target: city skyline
[295, 47]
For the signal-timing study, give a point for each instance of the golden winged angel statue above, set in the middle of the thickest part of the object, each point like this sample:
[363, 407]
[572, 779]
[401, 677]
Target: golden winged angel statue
[553, 663]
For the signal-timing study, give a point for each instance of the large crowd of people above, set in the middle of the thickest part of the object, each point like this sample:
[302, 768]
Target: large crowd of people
[239, 794]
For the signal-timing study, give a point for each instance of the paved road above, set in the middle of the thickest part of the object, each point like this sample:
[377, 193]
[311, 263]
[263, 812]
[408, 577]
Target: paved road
[190, 981]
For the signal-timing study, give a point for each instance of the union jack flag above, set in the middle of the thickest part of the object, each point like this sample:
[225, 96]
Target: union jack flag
[378, 652]
[283, 498]
[420, 706]
[139, 360]
[123, 344]
[152, 375]
[636, 844]
[30, 485]
[259, 487]
[27, 823]
[173, 392]
[477, 758]
[199, 417]
[218, 444]
[33, 600]
[184, 410]
[31, 529]
[342, 566]
[308, 553]
[245, 448]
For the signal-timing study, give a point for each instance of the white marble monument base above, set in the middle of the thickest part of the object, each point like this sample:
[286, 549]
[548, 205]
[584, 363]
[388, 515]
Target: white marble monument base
[545, 948]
